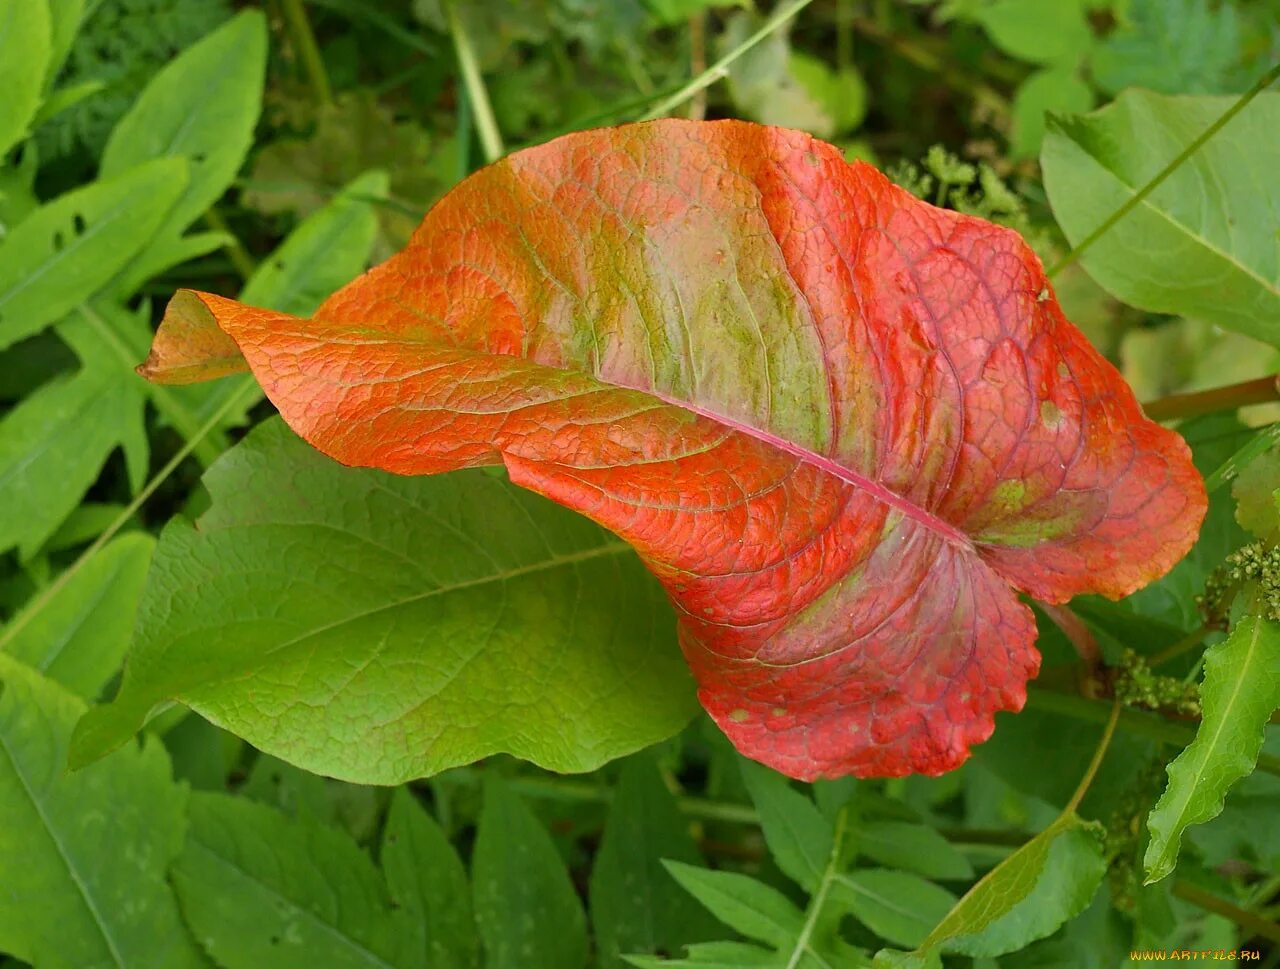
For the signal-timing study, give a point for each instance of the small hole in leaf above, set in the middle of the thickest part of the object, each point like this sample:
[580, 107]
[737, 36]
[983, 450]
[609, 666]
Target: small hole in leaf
[279, 264]
[78, 224]
[57, 241]
[275, 940]
[199, 157]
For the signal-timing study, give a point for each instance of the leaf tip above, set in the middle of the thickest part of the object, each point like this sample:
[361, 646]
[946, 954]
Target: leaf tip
[189, 345]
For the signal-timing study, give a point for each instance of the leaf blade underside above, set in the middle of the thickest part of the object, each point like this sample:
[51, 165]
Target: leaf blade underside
[841, 426]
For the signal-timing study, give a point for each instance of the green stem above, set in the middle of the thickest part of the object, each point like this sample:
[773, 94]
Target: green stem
[1252, 923]
[701, 809]
[308, 51]
[236, 252]
[824, 886]
[1131, 721]
[46, 595]
[1158, 179]
[1092, 771]
[205, 445]
[1263, 390]
[1184, 645]
[721, 67]
[481, 109]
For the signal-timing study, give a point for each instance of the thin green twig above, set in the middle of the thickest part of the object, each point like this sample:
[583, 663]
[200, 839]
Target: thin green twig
[481, 110]
[46, 595]
[304, 39]
[1158, 179]
[721, 67]
[1091, 772]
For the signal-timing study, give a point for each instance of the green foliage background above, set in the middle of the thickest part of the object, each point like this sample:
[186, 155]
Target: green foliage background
[275, 150]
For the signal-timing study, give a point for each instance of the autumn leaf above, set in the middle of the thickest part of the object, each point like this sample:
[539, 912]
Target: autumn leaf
[843, 428]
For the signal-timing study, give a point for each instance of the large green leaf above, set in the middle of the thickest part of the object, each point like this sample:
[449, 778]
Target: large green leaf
[525, 904]
[375, 627]
[260, 889]
[895, 905]
[1026, 897]
[428, 883]
[24, 57]
[79, 636]
[83, 856]
[749, 906]
[202, 107]
[915, 847]
[65, 251]
[636, 906]
[1241, 690]
[1196, 246]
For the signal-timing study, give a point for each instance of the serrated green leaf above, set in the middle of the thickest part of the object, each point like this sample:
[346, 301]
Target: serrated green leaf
[345, 619]
[1241, 690]
[54, 443]
[1170, 46]
[79, 636]
[636, 907]
[1257, 494]
[525, 904]
[259, 889]
[742, 903]
[1194, 246]
[24, 58]
[66, 250]
[914, 847]
[799, 837]
[83, 856]
[897, 906]
[1026, 897]
[429, 884]
[201, 107]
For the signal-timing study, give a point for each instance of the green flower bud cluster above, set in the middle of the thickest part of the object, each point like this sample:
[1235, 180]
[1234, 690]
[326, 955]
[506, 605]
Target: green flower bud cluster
[1136, 685]
[1258, 563]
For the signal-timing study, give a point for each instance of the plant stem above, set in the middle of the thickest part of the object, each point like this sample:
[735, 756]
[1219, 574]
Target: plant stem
[1092, 771]
[1158, 179]
[1131, 721]
[481, 109]
[982, 94]
[819, 899]
[698, 62]
[1079, 634]
[308, 52]
[1184, 645]
[1263, 390]
[1261, 442]
[46, 594]
[236, 252]
[702, 809]
[1254, 924]
[720, 68]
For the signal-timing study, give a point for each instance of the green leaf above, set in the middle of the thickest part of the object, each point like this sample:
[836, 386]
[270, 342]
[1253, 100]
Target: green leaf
[525, 904]
[429, 884]
[1170, 46]
[914, 847]
[24, 58]
[763, 85]
[1052, 89]
[64, 22]
[897, 906]
[83, 856]
[742, 903]
[1241, 690]
[1257, 494]
[721, 955]
[54, 443]
[375, 627]
[299, 793]
[1032, 30]
[1194, 246]
[259, 889]
[636, 907]
[327, 250]
[841, 93]
[202, 107]
[79, 636]
[66, 250]
[799, 837]
[1026, 897]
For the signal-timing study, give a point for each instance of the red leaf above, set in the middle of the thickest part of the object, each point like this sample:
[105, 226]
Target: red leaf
[840, 425]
